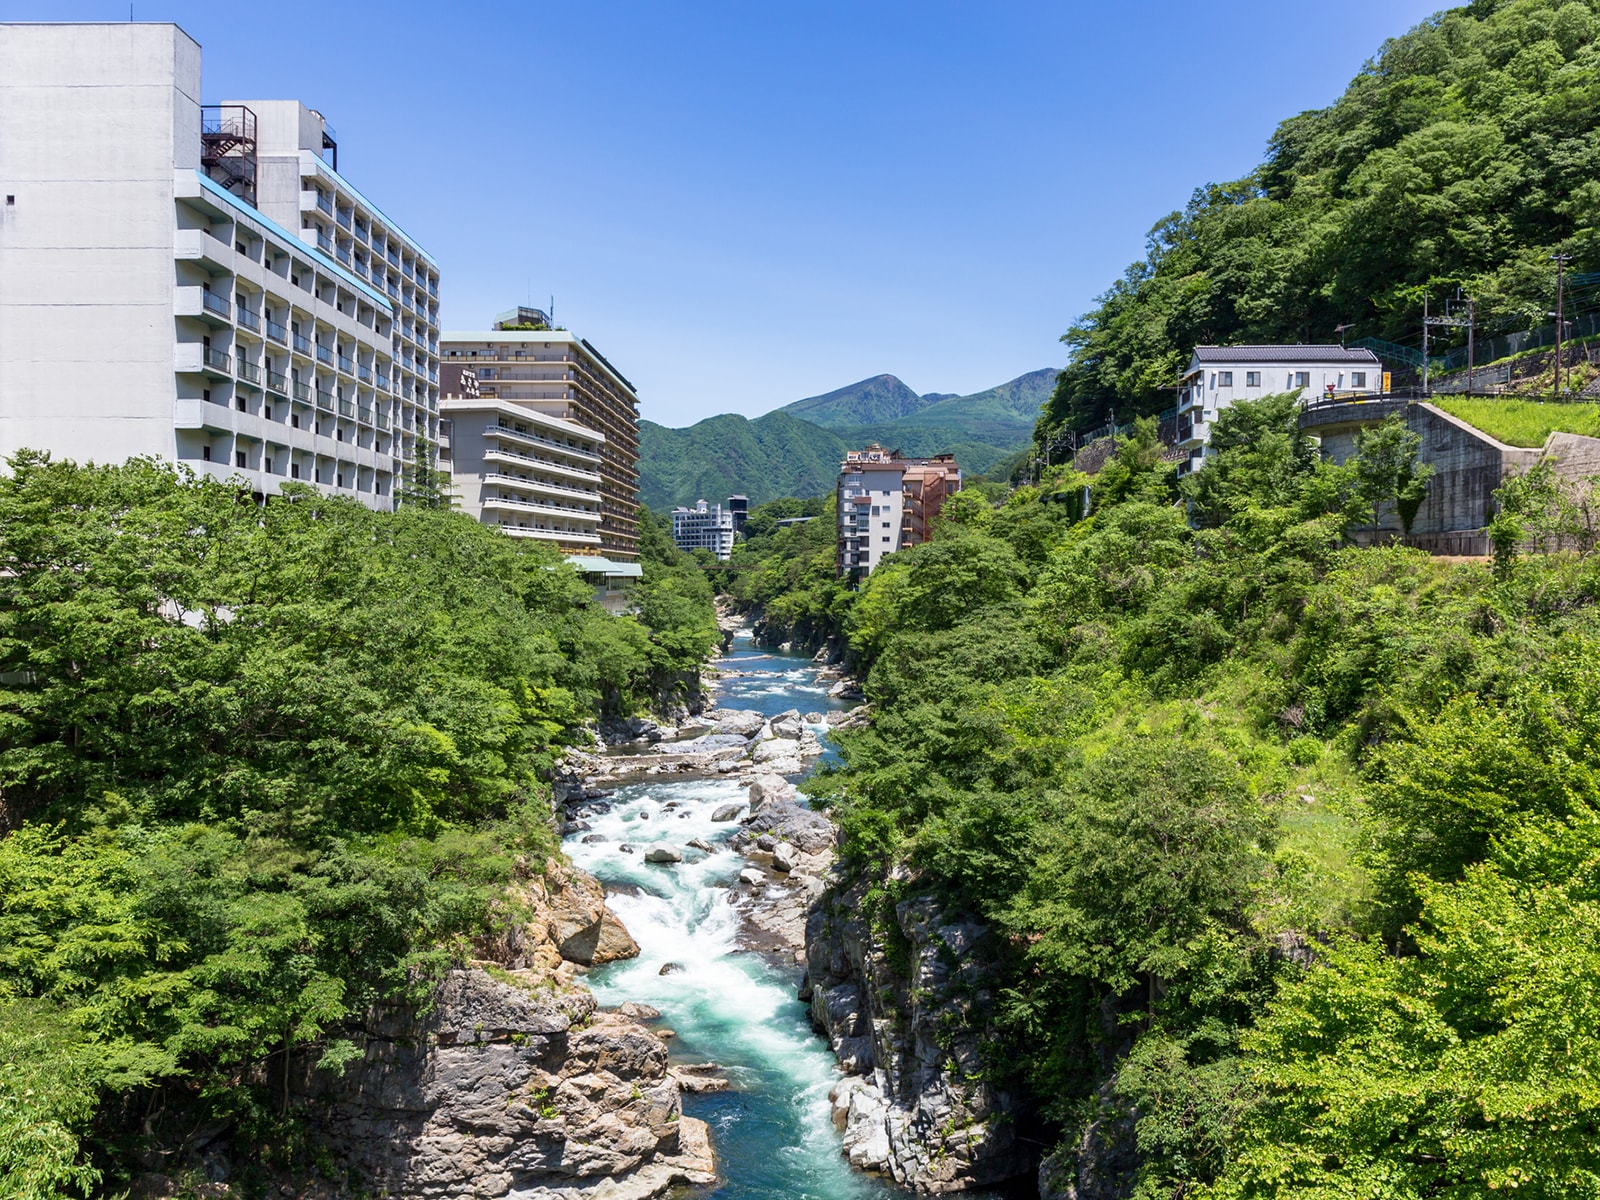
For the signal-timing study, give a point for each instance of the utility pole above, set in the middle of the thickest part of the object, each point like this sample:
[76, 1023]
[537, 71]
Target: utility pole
[1425, 390]
[1472, 332]
[1451, 320]
[1561, 278]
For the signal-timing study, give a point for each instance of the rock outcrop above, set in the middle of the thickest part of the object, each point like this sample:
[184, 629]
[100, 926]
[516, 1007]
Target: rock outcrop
[513, 1085]
[918, 1105]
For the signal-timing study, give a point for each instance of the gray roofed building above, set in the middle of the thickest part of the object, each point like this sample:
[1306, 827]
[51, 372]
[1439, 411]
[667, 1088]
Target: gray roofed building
[1217, 376]
[1297, 353]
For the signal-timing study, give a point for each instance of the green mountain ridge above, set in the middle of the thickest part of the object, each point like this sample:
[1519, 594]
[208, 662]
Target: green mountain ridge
[795, 450]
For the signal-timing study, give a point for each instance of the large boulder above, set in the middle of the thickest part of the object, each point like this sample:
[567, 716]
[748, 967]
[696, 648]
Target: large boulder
[583, 929]
[744, 722]
[727, 812]
[787, 725]
[785, 821]
[663, 854]
[766, 788]
[783, 857]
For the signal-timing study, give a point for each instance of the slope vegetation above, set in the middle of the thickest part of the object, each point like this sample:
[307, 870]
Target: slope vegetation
[1464, 154]
[795, 450]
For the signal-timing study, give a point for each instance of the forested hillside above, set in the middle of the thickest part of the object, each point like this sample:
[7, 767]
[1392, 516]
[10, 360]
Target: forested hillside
[1464, 154]
[1290, 846]
[264, 769]
[780, 454]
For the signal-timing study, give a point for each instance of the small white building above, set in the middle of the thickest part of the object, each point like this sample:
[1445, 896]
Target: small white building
[1219, 375]
[704, 527]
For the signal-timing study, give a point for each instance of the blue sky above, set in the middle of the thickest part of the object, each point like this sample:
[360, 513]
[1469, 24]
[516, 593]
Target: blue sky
[744, 203]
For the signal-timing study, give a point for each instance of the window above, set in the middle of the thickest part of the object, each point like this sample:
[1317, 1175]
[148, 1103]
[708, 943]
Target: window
[294, 470]
[239, 402]
[267, 412]
[1213, 379]
[1301, 379]
[1224, 378]
[1358, 379]
[886, 525]
[338, 479]
[267, 463]
[239, 459]
[885, 541]
[205, 453]
[1252, 379]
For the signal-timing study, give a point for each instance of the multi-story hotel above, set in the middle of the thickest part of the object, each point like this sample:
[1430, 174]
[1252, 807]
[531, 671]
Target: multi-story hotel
[888, 503]
[704, 527]
[548, 446]
[198, 283]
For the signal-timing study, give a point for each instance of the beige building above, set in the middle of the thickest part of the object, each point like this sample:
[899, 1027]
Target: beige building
[887, 503]
[564, 392]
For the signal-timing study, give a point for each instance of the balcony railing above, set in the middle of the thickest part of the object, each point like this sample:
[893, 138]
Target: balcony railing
[219, 359]
[364, 415]
[216, 304]
[324, 355]
[506, 431]
[383, 421]
[249, 320]
[324, 400]
[346, 364]
[343, 218]
[343, 255]
[302, 391]
[324, 242]
[513, 481]
[346, 409]
[325, 203]
[383, 383]
[302, 344]
[249, 372]
[277, 332]
[363, 372]
[541, 462]
[277, 382]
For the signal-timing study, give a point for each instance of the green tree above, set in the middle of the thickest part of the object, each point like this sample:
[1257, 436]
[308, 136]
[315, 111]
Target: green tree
[1387, 470]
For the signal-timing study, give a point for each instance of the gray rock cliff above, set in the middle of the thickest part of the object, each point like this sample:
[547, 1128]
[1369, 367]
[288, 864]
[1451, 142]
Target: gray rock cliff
[907, 1028]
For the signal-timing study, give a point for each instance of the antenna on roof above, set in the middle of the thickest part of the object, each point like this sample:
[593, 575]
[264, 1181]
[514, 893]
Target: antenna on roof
[1339, 329]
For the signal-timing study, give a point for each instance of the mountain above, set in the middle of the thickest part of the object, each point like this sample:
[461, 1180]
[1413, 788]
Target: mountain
[870, 402]
[795, 450]
[774, 455]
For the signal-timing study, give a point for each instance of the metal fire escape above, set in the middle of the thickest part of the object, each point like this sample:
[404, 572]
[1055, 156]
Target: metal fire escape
[228, 148]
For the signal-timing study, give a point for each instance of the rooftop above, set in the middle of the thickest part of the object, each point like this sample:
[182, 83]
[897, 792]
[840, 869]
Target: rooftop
[1300, 352]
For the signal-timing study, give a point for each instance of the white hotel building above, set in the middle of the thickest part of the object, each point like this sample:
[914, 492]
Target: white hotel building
[198, 283]
[1219, 375]
[704, 527]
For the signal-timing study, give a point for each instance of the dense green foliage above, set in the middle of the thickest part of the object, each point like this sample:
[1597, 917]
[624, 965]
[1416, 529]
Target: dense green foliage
[796, 450]
[263, 768]
[1174, 759]
[786, 574]
[1463, 155]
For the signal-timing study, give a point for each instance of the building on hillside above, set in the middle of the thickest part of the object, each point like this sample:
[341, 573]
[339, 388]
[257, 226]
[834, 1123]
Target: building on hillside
[1217, 376]
[887, 503]
[198, 283]
[739, 506]
[526, 372]
[704, 527]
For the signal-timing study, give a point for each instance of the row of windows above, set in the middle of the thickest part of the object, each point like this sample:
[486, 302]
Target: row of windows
[1296, 379]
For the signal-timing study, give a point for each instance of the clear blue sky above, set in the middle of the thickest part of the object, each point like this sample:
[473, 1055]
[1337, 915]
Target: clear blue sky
[742, 203]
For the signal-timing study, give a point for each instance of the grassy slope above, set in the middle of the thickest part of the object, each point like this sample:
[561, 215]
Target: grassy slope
[1523, 422]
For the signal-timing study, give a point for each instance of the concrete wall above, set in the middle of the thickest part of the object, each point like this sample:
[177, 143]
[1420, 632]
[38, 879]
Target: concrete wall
[93, 121]
[1468, 466]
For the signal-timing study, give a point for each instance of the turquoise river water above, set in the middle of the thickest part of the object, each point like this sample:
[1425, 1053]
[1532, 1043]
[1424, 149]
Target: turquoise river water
[771, 1130]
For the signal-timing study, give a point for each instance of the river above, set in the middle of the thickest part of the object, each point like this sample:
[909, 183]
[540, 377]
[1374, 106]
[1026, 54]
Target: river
[771, 1130]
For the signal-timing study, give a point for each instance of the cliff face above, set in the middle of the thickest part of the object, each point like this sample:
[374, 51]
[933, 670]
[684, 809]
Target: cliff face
[907, 1027]
[513, 1083]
